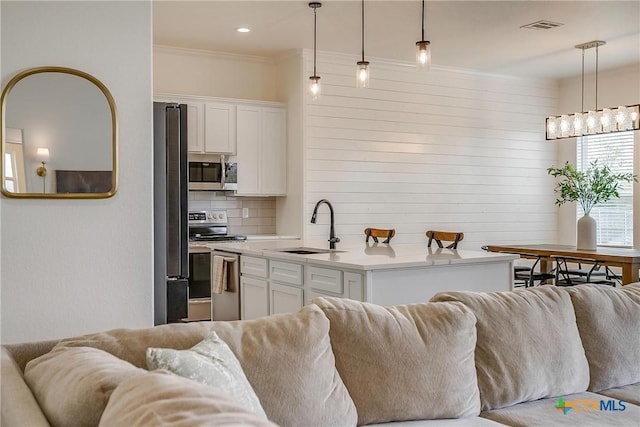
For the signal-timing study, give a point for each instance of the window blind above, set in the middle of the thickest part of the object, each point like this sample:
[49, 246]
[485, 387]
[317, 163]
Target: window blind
[615, 217]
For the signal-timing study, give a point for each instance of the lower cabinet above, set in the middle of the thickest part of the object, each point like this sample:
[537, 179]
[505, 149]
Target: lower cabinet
[274, 287]
[284, 299]
[254, 298]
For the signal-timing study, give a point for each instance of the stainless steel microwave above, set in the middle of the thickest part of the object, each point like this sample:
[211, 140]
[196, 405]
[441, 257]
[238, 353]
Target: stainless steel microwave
[214, 174]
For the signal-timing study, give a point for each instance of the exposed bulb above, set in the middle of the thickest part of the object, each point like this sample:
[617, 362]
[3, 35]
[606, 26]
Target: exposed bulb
[362, 74]
[578, 124]
[423, 55]
[552, 127]
[314, 87]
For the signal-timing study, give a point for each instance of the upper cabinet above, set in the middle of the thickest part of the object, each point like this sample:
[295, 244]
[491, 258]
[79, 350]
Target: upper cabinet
[219, 128]
[211, 128]
[211, 125]
[254, 131]
[261, 150]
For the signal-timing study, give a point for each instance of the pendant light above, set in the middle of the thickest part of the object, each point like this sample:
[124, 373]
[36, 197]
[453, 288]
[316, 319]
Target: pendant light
[314, 81]
[362, 72]
[423, 49]
[593, 122]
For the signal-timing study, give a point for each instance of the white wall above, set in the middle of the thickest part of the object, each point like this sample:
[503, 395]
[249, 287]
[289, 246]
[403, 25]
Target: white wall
[620, 86]
[76, 266]
[198, 72]
[447, 149]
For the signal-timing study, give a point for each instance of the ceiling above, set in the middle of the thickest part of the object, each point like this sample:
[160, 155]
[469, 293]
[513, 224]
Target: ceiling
[479, 35]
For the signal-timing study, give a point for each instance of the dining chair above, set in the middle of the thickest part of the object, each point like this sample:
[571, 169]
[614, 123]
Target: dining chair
[374, 233]
[567, 276]
[447, 236]
[529, 275]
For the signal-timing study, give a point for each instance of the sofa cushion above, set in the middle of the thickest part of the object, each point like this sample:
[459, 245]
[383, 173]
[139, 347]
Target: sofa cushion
[629, 393]
[73, 385]
[19, 406]
[287, 358]
[160, 398]
[585, 412]
[406, 362]
[131, 344]
[449, 422]
[528, 345]
[609, 324]
[212, 363]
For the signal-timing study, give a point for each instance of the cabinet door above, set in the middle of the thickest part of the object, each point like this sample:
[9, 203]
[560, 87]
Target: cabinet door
[274, 151]
[195, 127]
[353, 286]
[220, 128]
[254, 298]
[248, 146]
[284, 299]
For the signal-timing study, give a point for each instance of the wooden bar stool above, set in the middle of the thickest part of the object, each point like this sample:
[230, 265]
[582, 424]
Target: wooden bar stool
[374, 233]
[448, 236]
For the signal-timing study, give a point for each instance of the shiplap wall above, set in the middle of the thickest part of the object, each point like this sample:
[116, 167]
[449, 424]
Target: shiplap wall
[447, 149]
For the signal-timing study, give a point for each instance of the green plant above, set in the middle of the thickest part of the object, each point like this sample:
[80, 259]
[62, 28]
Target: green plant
[590, 187]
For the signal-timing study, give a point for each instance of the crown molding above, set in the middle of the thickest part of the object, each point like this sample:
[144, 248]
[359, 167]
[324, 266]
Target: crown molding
[212, 54]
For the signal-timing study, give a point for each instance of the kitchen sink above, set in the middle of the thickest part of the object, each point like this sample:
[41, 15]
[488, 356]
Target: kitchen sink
[306, 251]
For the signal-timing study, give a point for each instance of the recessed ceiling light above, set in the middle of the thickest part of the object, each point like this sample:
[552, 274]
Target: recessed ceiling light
[243, 30]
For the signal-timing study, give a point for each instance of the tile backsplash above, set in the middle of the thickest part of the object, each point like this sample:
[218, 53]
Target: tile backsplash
[262, 210]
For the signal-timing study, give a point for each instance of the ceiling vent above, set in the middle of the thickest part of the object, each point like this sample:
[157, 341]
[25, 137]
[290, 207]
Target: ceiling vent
[542, 25]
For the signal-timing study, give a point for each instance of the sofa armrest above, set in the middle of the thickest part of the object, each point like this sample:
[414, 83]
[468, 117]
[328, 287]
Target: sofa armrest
[18, 405]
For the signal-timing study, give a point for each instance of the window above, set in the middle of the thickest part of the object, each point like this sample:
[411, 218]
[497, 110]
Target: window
[615, 217]
[9, 176]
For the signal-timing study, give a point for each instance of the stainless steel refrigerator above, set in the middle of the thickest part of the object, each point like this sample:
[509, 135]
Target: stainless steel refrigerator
[171, 246]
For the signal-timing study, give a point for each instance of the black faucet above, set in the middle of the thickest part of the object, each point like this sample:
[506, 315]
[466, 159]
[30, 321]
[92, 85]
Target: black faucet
[332, 233]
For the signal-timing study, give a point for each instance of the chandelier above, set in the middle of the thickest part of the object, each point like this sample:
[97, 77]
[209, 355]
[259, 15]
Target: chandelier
[596, 121]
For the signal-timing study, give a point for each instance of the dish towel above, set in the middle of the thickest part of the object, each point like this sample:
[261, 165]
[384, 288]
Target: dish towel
[220, 282]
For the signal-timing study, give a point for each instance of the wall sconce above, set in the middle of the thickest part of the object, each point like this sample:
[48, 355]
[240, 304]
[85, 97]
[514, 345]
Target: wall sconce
[42, 155]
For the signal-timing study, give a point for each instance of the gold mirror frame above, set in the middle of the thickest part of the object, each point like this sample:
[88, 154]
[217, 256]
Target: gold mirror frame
[114, 135]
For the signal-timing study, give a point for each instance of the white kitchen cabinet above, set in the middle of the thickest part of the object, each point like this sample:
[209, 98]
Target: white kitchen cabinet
[284, 299]
[254, 298]
[323, 282]
[195, 127]
[219, 128]
[269, 287]
[261, 150]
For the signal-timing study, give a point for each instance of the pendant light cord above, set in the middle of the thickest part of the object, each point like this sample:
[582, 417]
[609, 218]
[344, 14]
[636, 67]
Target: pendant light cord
[315, 9]
[582, 81]
[422, 20]
[596, 77]
[362, 30]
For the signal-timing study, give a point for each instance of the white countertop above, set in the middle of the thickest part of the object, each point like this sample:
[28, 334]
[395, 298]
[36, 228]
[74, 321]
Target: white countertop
[359, 255]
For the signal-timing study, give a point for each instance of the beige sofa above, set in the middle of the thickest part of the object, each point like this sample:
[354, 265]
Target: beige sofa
[533, 357]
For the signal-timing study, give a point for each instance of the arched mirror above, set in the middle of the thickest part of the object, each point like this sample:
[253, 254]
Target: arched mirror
[59, 135]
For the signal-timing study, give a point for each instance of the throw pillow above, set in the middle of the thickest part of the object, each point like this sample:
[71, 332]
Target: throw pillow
[160, 398]
[211, 363]
[408, 362]
[528, 345]
[73, 385]
[609, 324]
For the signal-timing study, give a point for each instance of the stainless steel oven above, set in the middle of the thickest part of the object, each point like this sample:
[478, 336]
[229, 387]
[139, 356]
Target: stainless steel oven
[215, 172]
[206, 300]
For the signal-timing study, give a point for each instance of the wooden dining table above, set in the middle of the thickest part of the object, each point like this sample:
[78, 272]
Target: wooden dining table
[627, 259]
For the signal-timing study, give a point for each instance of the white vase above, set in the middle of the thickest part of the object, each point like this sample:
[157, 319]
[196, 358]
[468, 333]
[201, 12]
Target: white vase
[587, 238]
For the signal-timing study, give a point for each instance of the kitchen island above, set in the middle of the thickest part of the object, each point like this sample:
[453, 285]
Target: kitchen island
[274, 281]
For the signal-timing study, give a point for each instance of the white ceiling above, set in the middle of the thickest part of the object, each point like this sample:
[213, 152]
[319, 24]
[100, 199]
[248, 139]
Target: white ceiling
[480, 35]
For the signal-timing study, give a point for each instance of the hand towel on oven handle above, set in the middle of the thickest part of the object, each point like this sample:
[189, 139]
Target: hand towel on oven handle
[220, 282]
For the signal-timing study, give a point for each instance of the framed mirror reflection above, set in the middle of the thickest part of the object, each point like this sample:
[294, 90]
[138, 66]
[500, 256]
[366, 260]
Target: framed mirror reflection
[59, 135]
